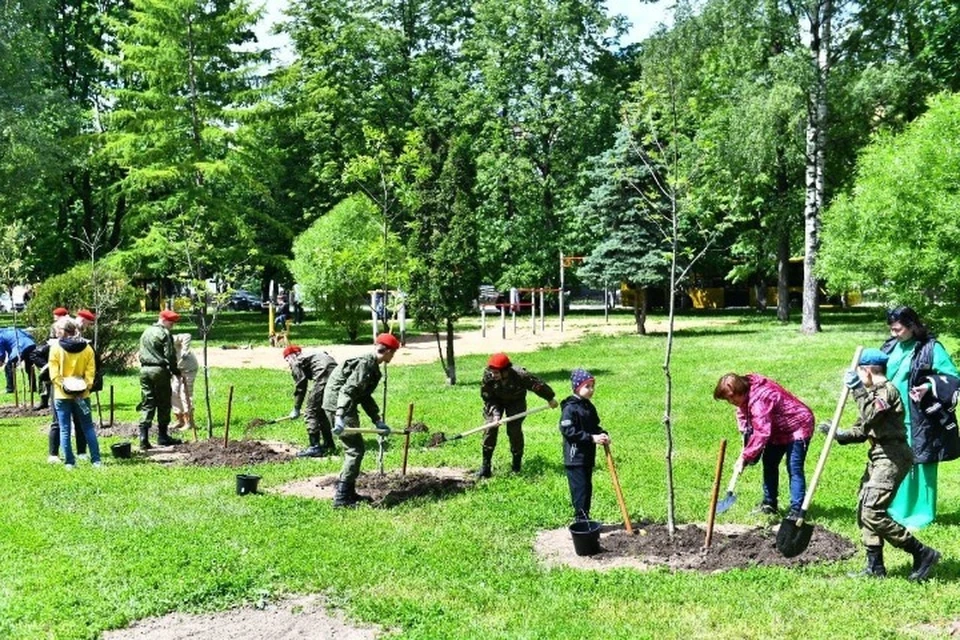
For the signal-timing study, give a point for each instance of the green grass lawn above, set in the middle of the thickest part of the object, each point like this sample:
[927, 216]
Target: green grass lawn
[87, 551]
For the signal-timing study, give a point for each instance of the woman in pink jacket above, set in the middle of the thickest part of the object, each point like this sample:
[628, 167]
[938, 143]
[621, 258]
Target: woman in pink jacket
[775, 425]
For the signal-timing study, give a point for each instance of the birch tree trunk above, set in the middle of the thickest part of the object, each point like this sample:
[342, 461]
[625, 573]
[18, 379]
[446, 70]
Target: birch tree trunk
[819, 17]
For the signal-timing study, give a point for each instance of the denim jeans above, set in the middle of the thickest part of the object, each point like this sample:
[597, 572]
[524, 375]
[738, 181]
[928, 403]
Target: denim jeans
[79, 409]
[795, 453]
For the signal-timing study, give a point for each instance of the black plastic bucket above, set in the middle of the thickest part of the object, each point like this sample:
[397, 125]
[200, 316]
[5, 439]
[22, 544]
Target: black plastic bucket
[120, 449]
[586, 537]
[246, 484]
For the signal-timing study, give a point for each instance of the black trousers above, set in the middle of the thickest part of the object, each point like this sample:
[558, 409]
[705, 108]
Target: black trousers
[580, 479]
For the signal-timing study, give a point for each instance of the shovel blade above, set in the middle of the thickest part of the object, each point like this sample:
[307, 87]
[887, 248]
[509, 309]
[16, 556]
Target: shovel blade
[793, 537]
[727, 502]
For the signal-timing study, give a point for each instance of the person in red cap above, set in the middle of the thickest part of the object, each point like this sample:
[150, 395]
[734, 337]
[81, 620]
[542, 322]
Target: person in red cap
[304, 367]
[351, 386]
[504, 392]
[85, 319]
[158, 365]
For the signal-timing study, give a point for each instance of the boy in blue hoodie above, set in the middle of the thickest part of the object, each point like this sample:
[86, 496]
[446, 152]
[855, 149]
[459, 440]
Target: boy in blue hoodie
[580, 426]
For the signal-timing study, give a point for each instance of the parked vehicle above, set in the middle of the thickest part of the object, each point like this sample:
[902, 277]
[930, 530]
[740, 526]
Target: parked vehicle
[241, 300]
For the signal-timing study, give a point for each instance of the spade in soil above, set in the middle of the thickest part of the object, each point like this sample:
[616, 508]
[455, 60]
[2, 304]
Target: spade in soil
[794, 534]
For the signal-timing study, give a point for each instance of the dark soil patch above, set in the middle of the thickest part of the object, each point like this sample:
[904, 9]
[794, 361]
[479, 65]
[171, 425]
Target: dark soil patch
[237, 453]
[732, 547]
[727, 551]
[23, 411]
[390, 489]
[419, 427]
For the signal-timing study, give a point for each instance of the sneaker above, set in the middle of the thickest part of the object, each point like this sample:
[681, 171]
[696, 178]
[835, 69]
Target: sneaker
[83, 456]
[764, 509]
[68, 467]
[53, 460]
[97, 464]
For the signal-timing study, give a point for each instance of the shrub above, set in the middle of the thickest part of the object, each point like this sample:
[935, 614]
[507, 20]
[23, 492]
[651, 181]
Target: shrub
[112, 299]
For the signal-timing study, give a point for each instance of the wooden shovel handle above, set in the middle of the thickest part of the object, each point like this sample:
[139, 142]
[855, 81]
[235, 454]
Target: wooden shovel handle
[712, 514]
[497, 423]
[379, 432]
[618, 490]
[406, 440]
[829, 441]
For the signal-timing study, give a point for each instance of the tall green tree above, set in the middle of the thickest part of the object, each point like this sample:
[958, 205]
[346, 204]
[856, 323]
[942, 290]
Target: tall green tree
[184, 81]
[445, 269]
[895, 231]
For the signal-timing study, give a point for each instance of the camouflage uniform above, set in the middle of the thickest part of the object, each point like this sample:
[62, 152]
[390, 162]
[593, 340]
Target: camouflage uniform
[316, 366]
[888, 462]
[158, 364]
[506, 395]
[352, 384]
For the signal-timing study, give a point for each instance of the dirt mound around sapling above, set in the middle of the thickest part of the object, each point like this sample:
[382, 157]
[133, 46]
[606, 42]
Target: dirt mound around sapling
[237, 453]
[23, 411]
[732, 547]
[390, 489]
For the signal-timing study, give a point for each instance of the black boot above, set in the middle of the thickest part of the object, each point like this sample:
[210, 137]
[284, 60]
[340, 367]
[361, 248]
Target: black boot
[314, 450]
[144, 441]
[874, 568]
[352, 488]
[924, 559]
[485, 467]
[516, 463]
[163, 438]
[343, 499]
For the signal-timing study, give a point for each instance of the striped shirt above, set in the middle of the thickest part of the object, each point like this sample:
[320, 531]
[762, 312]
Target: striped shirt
[772, 414]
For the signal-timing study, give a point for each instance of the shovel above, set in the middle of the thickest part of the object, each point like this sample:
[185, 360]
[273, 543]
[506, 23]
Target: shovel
[794, 535]
[440, 437]
[730, 497]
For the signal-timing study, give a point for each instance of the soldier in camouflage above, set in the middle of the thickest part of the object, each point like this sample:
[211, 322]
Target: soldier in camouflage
[888, 462]
[304, 367]
[351, 385]
[504, 392]
[158, 365]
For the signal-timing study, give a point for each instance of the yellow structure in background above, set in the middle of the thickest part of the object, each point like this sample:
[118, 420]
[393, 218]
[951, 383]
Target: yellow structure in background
[707, 297]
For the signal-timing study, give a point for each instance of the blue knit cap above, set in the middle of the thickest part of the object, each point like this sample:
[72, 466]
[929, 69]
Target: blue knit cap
[873, 357]
[578, 377]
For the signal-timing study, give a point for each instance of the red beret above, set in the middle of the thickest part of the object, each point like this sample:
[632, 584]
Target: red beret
[167, 314]
[389, 341]
[59, 312]
[292, 349]
[498, 361]
[86, 315]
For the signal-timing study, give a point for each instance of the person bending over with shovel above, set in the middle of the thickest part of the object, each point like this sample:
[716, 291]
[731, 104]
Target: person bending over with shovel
[775, 425]
[580, 426]
[504, 392]
[352, 384]
[888, 462]
[304, 367]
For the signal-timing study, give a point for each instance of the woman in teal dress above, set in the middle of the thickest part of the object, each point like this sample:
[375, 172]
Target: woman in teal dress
[915, 354]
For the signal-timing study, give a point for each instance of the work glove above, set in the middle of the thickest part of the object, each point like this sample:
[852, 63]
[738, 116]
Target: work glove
[851, 379]
[295, 413]
[824, 428]
[382, 426]
[338, 425]
[845, 437]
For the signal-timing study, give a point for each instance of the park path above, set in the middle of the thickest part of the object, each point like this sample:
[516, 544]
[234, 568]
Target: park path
[423, 349]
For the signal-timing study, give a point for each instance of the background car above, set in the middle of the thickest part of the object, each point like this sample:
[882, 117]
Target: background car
[241, 300]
